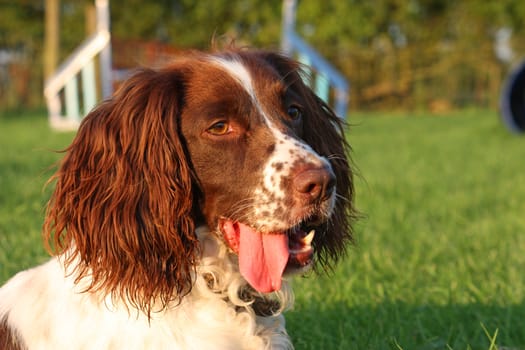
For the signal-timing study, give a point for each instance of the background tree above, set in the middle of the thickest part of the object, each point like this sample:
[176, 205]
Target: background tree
[436, 54]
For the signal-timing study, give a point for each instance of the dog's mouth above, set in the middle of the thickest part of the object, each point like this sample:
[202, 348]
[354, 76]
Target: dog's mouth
[265, 257]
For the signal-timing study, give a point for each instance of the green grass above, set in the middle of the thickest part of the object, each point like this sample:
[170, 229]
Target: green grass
[441, 252]
[440, 255]
[27, 153]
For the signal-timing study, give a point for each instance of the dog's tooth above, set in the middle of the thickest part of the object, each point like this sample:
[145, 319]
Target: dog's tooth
[307, 240]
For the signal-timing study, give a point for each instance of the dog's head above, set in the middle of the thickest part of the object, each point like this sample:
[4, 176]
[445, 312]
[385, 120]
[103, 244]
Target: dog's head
[234, 140]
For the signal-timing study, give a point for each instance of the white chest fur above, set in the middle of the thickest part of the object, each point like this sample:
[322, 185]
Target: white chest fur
[49, 311]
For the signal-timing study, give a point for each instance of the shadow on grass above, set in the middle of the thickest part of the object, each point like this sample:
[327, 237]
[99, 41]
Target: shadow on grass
[397, 325]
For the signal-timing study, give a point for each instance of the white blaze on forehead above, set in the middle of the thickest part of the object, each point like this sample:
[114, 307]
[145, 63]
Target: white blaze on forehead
[287, 151]
[238, 71]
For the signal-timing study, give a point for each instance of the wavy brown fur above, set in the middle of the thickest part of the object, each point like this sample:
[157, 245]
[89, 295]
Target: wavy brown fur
[121, 208]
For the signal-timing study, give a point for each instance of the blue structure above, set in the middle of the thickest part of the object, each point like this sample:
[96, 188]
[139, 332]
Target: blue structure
[75, 87]
[326, 76]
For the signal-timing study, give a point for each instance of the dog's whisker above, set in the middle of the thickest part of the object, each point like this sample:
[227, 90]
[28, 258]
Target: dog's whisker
[336, 157]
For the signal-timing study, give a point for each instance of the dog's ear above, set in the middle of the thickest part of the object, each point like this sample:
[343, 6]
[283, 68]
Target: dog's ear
[324, 131]
[121, 208]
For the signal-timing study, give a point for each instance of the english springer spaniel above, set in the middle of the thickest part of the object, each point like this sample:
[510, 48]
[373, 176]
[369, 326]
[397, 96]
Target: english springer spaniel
[181, 207]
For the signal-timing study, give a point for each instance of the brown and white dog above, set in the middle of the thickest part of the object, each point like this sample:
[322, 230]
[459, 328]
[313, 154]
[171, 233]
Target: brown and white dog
[179, 207]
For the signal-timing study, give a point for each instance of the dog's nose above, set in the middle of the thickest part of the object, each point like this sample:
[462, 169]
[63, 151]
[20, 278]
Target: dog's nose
[314, 184]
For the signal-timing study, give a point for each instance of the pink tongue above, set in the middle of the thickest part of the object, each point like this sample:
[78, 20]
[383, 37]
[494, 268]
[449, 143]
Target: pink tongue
[262, 258]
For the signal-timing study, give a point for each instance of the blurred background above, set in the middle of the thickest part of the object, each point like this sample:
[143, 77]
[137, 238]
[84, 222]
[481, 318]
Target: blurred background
[439, 257]
[435, 55]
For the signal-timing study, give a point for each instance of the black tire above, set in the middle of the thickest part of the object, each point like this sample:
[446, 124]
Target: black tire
[513, 100]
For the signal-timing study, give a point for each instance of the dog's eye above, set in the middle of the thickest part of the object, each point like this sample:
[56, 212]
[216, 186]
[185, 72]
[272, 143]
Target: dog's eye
[219, 128]
[295, 112]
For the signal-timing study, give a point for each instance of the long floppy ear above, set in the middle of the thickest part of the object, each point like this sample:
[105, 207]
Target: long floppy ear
[324, 131]
[121, 211]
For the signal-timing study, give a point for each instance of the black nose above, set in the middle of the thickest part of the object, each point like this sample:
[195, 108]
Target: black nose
[314, 184]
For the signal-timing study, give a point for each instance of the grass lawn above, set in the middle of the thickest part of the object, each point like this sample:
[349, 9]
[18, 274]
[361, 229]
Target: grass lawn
[27, 153]
[440, 255]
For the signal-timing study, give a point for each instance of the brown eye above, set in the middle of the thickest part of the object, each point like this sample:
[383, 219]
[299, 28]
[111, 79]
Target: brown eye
[219, 128]
[295, 112]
